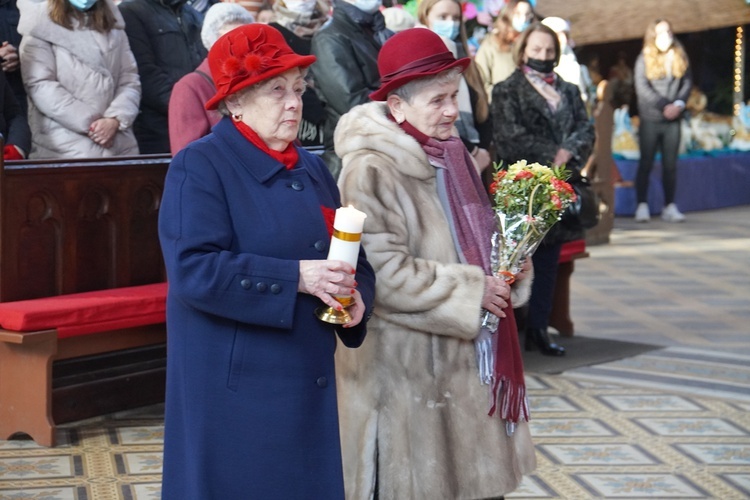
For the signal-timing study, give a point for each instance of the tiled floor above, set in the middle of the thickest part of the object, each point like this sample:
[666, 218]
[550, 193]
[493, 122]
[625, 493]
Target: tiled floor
[685, 287]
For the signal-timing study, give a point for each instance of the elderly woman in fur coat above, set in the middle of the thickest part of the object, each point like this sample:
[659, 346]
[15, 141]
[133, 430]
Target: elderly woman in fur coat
[417, 419]
[80, 77]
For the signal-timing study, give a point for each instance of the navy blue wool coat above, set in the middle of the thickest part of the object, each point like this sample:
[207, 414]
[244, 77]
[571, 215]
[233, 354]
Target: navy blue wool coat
[251, 407]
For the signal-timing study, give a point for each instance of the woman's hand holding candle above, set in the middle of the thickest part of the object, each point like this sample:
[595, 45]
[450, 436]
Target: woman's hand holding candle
[347, 231]
[326, 278]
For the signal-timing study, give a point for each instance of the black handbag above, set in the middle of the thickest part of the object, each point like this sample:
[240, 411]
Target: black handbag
[584, 212]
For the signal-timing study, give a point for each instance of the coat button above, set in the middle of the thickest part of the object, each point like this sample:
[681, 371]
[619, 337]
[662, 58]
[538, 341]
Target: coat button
[261, 287]
[275, 289]
[320, 245]
[245, 284]
[297, 185]
[322, 382]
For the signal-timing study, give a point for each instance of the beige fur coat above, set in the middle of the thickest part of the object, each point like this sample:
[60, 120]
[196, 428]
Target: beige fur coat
[413, 412]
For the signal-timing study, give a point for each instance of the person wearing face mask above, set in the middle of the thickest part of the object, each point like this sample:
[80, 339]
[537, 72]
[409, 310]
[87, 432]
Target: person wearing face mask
[346, 70]
[474, 126]
[298, 21]
[662, 84]
[539, 117]
[494, 58]
[569, 68]
[80, 77]
[165, 36]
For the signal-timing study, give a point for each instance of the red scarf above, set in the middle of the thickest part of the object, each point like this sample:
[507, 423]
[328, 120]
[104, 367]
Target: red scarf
[288, 157]
[474, 224]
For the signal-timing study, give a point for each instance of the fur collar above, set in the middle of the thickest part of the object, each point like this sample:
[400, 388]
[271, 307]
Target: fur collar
[35, 22]
[368, 129]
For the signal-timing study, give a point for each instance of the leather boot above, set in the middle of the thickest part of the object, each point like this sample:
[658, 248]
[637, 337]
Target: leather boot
[539, 338]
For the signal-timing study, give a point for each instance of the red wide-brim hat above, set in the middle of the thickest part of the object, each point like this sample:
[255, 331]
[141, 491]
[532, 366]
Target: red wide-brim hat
[411, 54]
[248, 55]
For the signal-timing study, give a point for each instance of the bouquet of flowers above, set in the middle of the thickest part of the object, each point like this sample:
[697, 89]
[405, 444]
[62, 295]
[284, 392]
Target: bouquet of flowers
[528, 200]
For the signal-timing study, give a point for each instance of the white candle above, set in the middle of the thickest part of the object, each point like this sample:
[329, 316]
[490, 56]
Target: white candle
[347, 225]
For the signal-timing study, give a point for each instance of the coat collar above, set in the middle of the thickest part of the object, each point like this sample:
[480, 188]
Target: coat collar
[262, 167]
[366, 129]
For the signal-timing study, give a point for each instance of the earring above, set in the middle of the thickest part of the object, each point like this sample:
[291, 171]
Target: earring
[400, 120]
[236, 117]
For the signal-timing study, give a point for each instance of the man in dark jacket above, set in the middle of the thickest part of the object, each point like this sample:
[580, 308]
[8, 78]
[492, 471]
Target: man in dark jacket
[165, 37]
[10, 39]
[14, 127]
[347, 67]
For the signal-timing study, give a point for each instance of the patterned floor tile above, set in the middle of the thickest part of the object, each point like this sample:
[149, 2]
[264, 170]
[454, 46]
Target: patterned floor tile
[713, 427]
[650, 402]
[49, 493]
[41, 467]
[542, 404]
[141, 435]
[639, 486]
[142, 491]
[138, 463]
[533, 487]
[570, 427]
[717, 454]
[740, 481]
[597, 454]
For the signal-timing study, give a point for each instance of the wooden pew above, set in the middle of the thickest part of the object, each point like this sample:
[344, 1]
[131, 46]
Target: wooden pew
[68, 227]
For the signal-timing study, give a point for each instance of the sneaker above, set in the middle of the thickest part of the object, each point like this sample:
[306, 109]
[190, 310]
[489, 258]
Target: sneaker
[671, 214]
[641, 213]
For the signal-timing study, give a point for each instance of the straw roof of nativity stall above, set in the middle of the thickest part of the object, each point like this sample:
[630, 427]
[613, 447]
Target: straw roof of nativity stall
[603, 21]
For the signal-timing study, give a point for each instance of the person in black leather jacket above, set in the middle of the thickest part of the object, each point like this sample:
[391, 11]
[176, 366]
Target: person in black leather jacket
[165, 37]
[347, 67]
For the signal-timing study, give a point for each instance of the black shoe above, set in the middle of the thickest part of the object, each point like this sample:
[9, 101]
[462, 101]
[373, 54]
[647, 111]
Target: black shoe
[539, 338]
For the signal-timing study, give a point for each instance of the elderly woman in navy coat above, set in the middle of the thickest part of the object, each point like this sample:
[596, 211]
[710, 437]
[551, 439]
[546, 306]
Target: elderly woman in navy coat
[245, 223]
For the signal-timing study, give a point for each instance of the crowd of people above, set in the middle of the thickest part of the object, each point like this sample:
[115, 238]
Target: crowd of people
[277, 115]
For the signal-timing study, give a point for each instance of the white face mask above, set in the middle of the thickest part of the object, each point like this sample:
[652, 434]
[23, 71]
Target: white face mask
[663, 42]
[369, 6]
[301, 6]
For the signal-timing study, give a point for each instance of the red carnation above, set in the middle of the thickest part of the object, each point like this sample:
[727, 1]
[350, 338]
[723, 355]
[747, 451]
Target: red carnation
[493, 187]
[523, 174]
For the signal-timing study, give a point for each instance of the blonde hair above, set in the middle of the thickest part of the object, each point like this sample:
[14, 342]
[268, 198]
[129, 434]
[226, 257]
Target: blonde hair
[473, 78]
[655, 60]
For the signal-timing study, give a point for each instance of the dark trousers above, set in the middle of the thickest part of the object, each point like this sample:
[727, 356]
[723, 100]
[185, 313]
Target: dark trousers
[664, 137]
[543, 288]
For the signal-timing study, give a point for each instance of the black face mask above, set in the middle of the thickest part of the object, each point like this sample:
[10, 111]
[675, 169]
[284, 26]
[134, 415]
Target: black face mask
[542, 66]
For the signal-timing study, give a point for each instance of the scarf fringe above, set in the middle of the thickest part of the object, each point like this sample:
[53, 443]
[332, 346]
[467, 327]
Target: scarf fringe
[513, 403]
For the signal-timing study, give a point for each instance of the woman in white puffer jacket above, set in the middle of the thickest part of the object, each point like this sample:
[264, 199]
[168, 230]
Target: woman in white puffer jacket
[81, 79]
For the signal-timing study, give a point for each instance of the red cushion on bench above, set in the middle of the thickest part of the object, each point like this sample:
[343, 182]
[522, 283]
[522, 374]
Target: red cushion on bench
[88, 312]
[571, 248]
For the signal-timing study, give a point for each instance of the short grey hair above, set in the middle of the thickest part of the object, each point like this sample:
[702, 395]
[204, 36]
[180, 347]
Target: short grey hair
[219, 15]
[408, 90]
